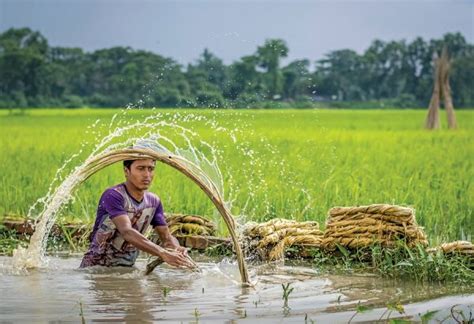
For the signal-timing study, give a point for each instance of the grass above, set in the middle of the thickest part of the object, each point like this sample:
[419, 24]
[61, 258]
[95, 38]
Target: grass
[285, 163]
[399, 263]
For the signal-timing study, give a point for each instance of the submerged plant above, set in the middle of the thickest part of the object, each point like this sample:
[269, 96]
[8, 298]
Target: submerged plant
[428, 316]
[307, 319]
[359, 310]
[286, 294]
[166, 291]
[196, 314]
[81, 313]
[459, 317]
[256, 302]
[392, 307]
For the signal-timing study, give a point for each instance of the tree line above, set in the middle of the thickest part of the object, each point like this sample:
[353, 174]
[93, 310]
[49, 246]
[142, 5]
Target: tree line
[386, 74]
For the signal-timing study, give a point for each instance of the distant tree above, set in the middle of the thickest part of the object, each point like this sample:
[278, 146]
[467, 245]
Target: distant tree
[22, 57]
[245, 82]
[297, 80]
[67, 73]
[462, 79]
[269, 56]
[399, 73]
[213, 67]
[455, 44]
[340, 72]
[419, 70]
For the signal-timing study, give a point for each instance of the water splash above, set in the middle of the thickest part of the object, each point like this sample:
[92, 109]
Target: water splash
[146, 134]
[172, 133]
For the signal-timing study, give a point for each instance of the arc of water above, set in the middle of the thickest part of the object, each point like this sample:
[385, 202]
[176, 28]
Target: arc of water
[189, 169]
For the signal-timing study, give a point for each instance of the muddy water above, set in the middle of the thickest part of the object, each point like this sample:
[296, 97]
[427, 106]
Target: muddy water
[56, 293]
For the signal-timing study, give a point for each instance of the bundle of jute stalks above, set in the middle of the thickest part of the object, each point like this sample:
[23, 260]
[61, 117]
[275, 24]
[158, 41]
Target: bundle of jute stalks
[183, 225]
[270, 239]
[363, 226]
[457, 247]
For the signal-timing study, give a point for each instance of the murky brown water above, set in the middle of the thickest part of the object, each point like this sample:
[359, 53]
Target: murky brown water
[215, 295]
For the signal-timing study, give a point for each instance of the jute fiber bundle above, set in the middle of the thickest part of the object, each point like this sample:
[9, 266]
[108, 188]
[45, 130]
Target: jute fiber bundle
[270, 239]
[278, 250]
[456, 247]
[184, 225]
[363, 226]
[441, 89]
[276, 224]
[463, 247]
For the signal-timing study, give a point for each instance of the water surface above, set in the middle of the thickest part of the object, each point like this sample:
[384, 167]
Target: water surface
[56, 293]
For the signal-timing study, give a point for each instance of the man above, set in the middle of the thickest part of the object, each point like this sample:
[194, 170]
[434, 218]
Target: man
[124, 213]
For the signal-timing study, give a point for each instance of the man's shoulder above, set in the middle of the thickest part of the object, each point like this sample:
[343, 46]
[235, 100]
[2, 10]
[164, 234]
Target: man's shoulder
[114, 191]
[153, 198]
[111, 197]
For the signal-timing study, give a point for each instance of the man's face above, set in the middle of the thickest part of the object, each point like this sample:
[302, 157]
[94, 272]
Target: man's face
[141, 173]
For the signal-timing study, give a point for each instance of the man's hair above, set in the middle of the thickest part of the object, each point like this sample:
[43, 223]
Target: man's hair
[127, 163]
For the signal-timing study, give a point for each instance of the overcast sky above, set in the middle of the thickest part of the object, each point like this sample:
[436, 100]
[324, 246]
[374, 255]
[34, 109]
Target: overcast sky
[231, 29]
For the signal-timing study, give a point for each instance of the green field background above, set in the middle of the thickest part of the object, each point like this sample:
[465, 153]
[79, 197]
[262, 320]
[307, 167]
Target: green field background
[285, 163]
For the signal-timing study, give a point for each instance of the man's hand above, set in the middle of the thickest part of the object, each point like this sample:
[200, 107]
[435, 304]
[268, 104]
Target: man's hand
[169, 241]
[182, 250]
[177, 258]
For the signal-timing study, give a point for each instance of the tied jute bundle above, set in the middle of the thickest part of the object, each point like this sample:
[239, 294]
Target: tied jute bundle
[360, 227]
[457, 247]
[184, 225]
[270, 239]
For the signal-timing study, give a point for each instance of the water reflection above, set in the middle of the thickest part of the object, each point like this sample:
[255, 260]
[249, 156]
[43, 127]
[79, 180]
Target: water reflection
[121, 297]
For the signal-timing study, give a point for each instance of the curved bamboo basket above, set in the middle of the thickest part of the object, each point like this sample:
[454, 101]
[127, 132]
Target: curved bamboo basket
[103, 160]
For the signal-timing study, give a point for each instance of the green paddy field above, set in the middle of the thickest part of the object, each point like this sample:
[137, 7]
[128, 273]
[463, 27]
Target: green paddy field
[283, 163]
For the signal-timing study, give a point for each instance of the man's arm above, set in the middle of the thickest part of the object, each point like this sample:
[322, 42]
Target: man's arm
[135, 238]
[168, 240]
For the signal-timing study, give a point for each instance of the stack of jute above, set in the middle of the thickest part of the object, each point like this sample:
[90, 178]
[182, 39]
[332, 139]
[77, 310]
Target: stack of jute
[183, 225]
[270, 239]
[363, 226]
[457, 247]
